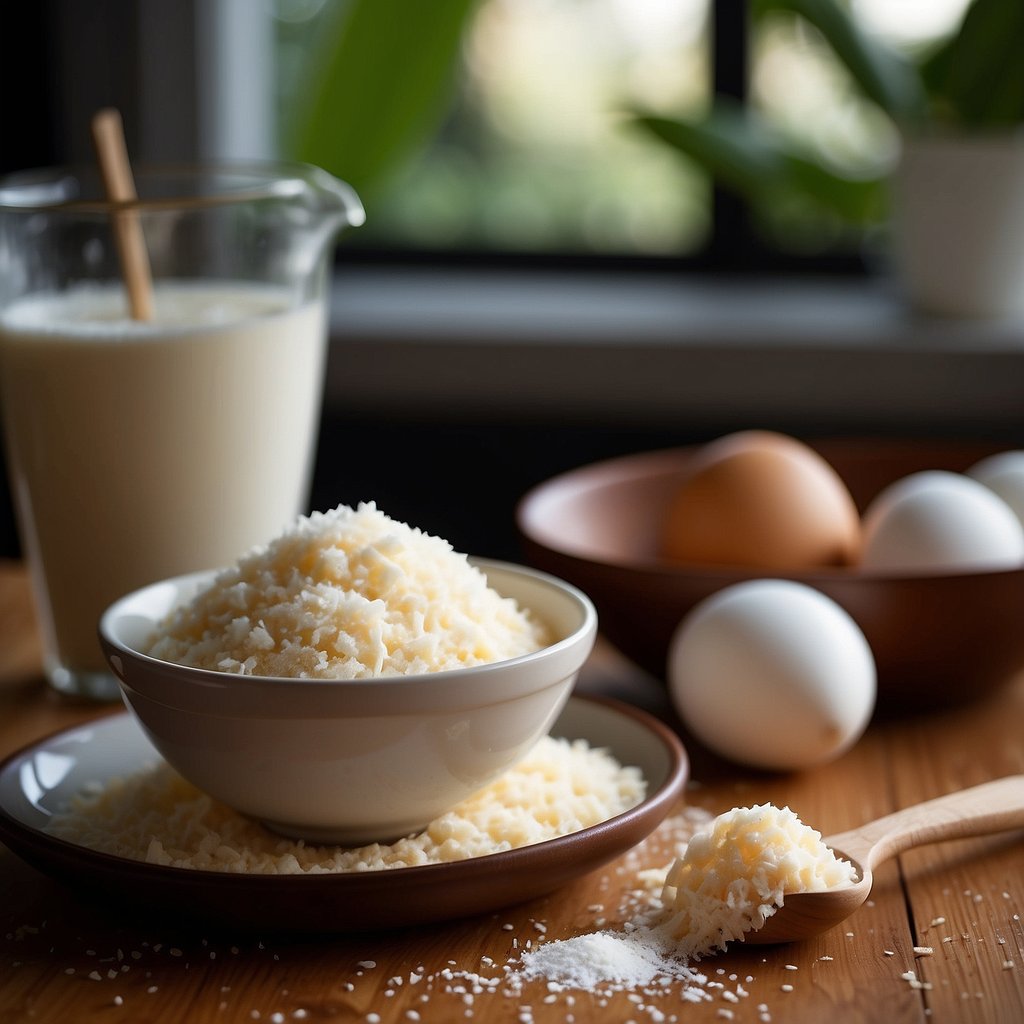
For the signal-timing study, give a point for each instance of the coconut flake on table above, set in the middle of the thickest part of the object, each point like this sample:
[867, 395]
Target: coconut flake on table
[598, 958]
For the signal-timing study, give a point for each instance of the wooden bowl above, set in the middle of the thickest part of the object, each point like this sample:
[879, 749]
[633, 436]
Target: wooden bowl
[937, 640]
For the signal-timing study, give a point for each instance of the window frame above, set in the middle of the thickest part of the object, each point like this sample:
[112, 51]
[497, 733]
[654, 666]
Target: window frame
[732, 246]
[193, 82]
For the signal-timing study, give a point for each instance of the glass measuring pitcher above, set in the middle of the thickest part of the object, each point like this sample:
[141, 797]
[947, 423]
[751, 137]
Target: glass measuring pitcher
[141, 449]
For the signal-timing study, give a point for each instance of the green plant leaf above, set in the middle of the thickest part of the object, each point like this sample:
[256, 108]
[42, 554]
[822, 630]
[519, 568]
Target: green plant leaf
[379, 86]
[726, 143]
[976, 78]
[746, 157]
[883, 74]
[859, 201]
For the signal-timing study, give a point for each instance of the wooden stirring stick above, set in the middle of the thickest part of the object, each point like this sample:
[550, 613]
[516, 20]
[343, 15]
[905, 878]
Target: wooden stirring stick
[116, 171]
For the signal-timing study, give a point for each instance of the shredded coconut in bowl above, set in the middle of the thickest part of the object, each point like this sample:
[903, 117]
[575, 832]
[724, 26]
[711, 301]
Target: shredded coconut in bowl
[560, 786]
[348, 594]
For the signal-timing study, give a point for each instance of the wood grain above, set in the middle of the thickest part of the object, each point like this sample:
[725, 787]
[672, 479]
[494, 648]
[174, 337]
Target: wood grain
[65, 957]
[966, 896]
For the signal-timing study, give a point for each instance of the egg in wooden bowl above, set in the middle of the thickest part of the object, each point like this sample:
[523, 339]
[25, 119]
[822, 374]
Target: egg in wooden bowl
[759, 499]
[938, 636]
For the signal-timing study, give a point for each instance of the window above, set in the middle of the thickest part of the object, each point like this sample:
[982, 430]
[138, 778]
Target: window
[534, 160]
[537, 157]
[798, 85]
[536, 153]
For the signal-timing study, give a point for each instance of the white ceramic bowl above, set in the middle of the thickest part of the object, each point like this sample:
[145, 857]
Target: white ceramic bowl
[349, 761]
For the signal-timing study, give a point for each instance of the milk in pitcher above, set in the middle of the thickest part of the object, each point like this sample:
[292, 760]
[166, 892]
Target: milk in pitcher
[140, 450]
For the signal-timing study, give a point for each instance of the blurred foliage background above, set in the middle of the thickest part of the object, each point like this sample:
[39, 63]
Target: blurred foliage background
[505, 125]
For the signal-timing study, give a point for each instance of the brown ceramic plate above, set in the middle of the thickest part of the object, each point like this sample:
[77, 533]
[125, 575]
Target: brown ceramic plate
[937, 640]
[40, 778]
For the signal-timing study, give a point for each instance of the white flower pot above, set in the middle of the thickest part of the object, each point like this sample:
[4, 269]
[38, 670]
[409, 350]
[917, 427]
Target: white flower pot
[958, 225]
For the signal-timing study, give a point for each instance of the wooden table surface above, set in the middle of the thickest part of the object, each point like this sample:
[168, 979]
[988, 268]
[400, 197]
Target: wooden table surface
[63, 960]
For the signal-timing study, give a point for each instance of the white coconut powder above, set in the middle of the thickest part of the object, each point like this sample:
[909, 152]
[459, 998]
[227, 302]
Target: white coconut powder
[599, 959]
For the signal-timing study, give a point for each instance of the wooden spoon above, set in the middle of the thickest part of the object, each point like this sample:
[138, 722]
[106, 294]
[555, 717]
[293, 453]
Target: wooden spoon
[991, 807]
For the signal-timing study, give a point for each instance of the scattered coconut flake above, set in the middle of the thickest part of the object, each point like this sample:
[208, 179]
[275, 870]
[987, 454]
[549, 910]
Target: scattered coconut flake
[586, 961]
[915, 982]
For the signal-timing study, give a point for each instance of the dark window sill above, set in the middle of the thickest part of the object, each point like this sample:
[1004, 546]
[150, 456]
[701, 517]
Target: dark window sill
[698, 354]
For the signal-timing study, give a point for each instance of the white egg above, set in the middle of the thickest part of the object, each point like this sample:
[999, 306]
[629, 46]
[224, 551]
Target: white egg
[772, 673]
[1004, 474]
[936, 521]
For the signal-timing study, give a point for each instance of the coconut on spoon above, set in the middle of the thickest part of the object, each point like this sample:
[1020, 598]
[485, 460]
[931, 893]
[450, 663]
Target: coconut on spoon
[759, 875]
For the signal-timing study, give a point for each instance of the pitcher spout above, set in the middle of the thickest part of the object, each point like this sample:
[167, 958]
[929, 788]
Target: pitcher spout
[337, 200]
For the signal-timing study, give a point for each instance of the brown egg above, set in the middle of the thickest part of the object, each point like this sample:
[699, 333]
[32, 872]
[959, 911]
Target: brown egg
[764, 500]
